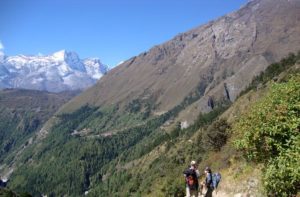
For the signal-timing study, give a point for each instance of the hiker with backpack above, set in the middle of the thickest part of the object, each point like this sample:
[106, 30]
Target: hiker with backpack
[191, 178]
[208, 182]
[211, 182]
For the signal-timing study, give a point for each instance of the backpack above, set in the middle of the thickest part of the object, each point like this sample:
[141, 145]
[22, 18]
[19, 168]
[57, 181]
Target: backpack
[191, 179]
[216, 178]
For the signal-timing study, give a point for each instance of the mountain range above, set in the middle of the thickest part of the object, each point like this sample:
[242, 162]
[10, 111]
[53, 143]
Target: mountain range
[60, 71]
[190, 98]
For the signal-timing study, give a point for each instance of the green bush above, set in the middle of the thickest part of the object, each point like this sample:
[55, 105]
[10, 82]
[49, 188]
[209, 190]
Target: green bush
[216, 135]
[269, 134]
[285, 168]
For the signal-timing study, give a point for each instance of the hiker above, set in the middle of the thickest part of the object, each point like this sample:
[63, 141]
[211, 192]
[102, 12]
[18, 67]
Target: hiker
[191, 178]
[208, 182]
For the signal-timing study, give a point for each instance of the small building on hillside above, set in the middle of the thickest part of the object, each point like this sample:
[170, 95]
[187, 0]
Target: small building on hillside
[184, 125]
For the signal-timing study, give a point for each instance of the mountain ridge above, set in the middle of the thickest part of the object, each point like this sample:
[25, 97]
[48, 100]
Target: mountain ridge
[60, 71]
[242, 43]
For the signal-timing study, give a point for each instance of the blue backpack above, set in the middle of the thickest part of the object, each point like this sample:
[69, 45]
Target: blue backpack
[216, 178]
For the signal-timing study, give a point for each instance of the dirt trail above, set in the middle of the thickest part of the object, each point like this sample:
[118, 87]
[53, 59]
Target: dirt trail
[224, 194]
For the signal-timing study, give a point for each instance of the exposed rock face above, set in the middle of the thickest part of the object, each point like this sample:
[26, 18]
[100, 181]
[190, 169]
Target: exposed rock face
[230, 50]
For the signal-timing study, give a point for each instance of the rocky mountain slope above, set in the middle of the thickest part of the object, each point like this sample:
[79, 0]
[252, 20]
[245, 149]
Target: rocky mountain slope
[154, 166]
[217, 59]
[122, 137]
[57, 72]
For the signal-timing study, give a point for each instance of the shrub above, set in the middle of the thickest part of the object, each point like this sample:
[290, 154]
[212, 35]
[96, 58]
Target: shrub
[269, 134]
[285, 168]
[216, 135]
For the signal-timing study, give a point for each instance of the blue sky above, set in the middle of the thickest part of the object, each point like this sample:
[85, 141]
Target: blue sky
[113, 30]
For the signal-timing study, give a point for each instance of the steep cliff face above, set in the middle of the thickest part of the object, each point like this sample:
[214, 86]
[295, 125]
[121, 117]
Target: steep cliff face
[217, 59]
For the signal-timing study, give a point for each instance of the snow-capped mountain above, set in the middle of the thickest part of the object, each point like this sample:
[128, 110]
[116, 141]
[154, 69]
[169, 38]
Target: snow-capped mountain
[57, 72]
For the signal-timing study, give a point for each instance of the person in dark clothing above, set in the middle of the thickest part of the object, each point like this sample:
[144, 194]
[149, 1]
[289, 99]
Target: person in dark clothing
[208, 182]
[191, 178]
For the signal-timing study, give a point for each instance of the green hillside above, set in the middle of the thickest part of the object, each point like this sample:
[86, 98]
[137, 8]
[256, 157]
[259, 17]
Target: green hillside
[22, 113]
[109, 151]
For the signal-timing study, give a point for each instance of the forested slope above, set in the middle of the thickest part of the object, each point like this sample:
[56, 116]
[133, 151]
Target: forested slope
[22, 114]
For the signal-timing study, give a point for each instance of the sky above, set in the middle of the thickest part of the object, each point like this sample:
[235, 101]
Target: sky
[112, 30]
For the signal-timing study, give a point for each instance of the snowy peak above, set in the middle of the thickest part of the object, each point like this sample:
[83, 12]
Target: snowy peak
[94, 67]
[70, 58]
[64, 55]
[60, 71]
[59, 55]
[73, 60]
